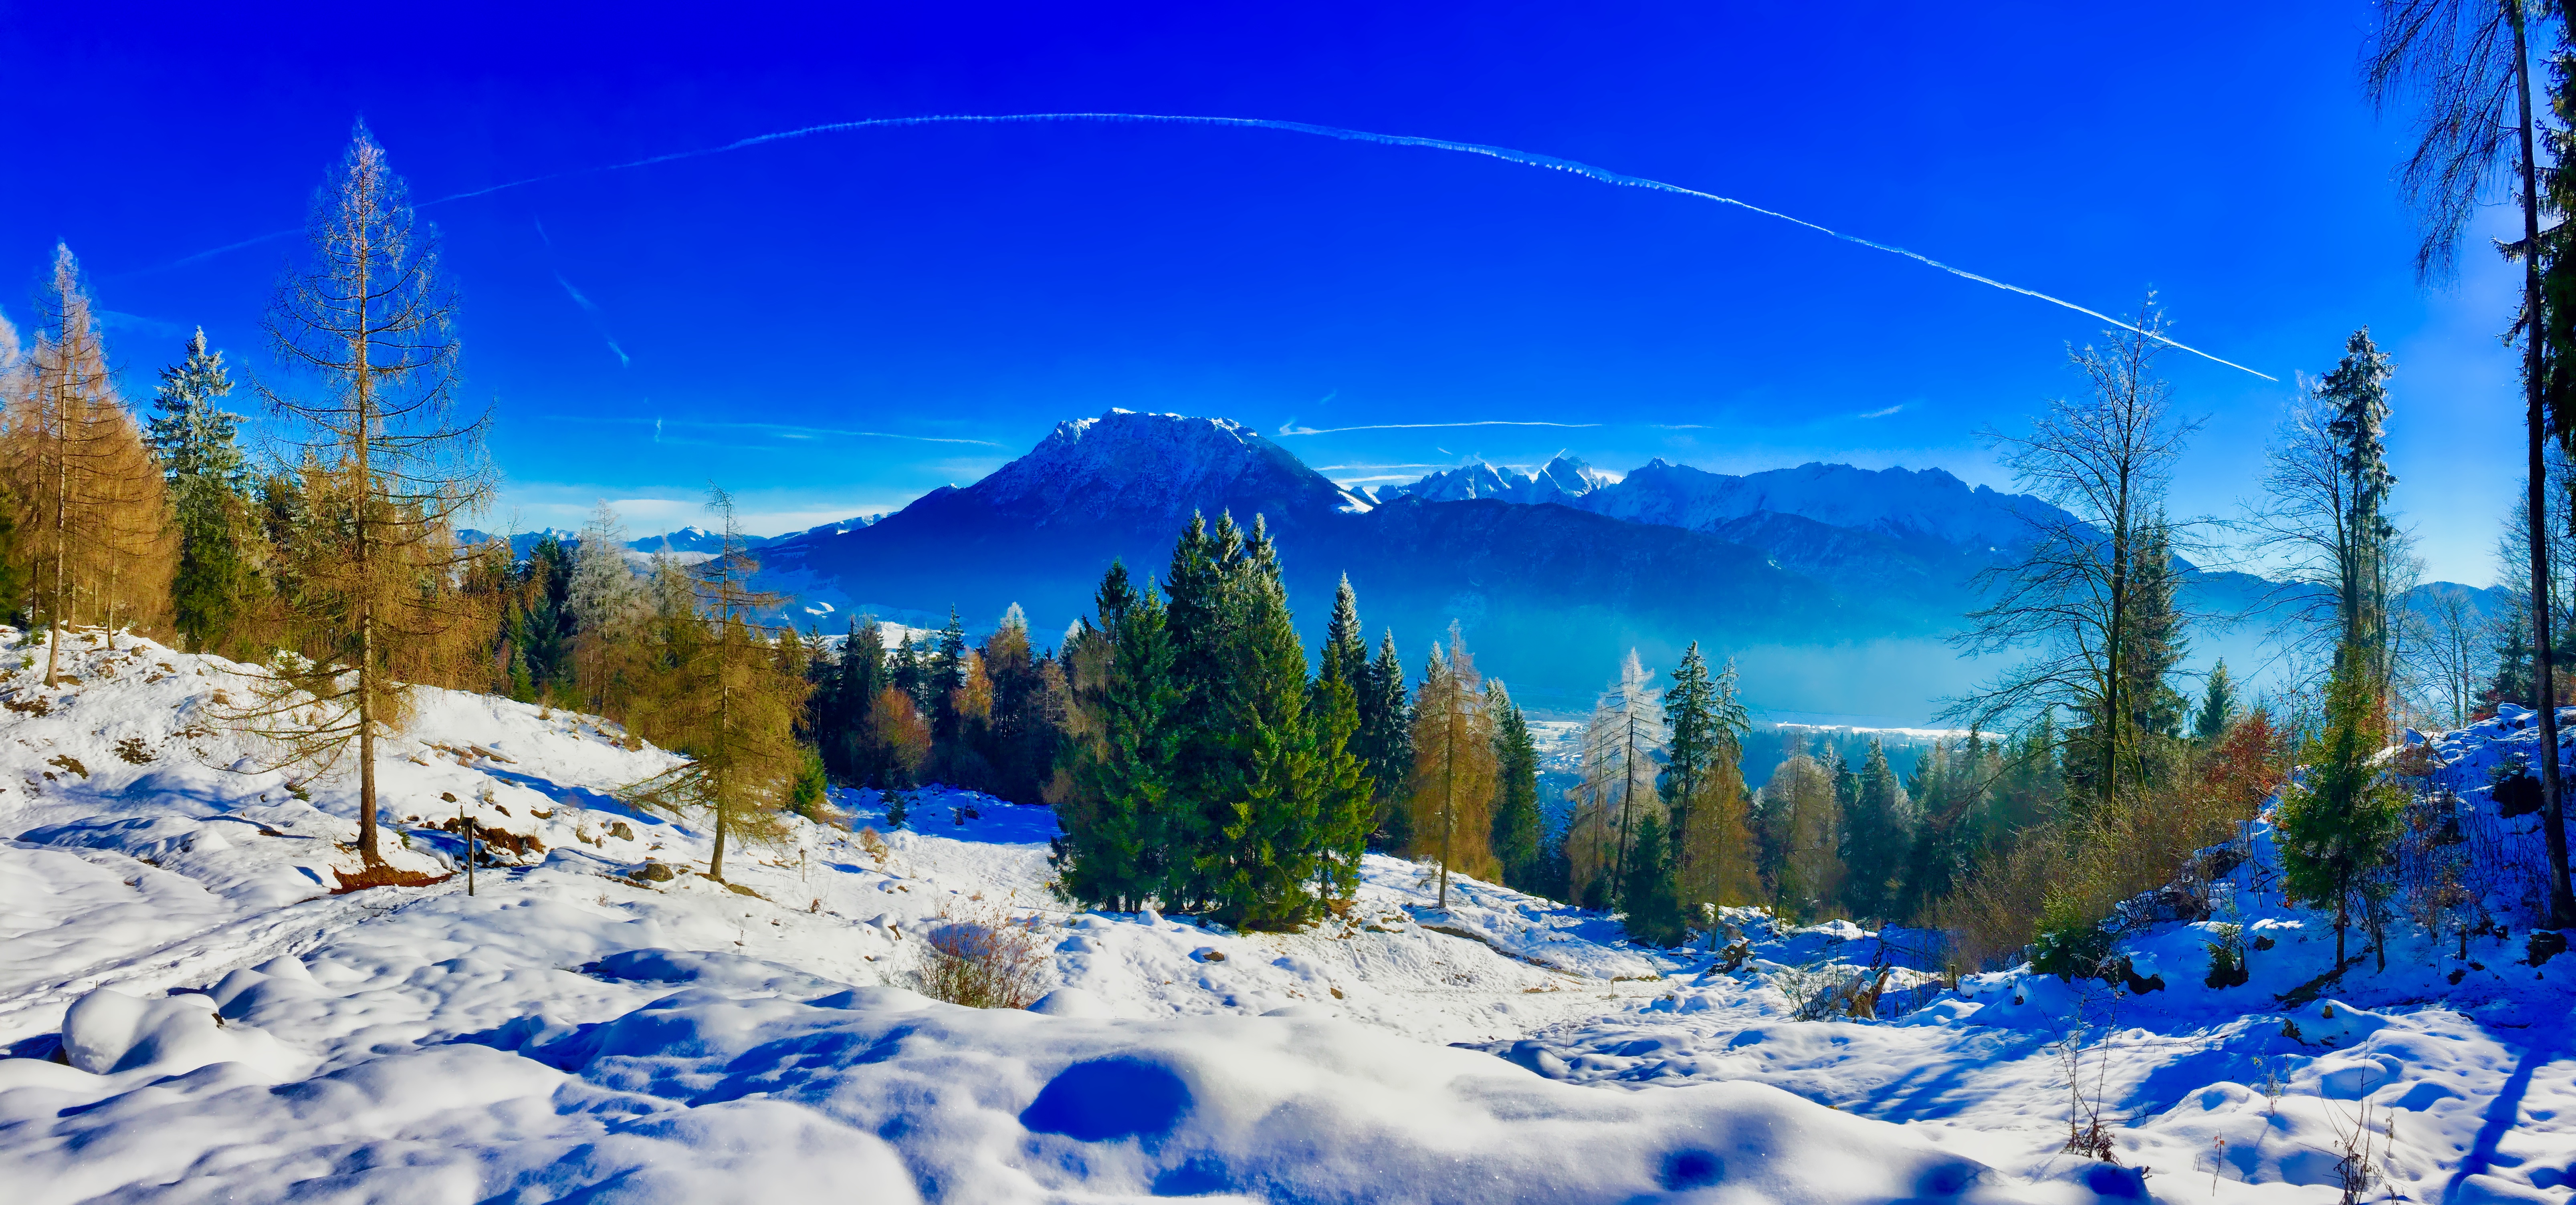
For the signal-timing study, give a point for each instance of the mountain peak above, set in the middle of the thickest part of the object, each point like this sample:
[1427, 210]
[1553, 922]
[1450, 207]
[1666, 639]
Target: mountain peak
[1563, 478]
[1129, 466]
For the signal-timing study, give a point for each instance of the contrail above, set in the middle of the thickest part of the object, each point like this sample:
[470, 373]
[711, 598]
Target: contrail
[1506, 154]
[1291, 428]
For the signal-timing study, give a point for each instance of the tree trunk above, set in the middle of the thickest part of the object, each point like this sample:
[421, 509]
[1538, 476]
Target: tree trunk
[361, 447]
[2553, 808]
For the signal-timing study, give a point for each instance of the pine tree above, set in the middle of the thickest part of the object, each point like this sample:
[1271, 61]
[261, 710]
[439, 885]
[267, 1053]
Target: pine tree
[388, 464]
[1654, 906]
[2339, 826]
[1519, 830]
[1704, 783]
[204, 469]
[1346, 807]
[1453, 766]
[2514, 680]
[1386, 743]
[1881, 832]
[1116, 843]
[1261, 868]
[861, 675]
[731, 698]
[2217, 705]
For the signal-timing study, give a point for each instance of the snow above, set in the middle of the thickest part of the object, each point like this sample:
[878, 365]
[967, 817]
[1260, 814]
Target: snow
[196, 1017]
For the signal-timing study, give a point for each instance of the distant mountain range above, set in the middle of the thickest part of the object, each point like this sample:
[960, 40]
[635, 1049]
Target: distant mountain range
[1832, 582]
[1832, 586]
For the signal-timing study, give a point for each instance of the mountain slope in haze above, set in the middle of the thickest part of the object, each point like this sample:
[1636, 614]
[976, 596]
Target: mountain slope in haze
[1552, 596]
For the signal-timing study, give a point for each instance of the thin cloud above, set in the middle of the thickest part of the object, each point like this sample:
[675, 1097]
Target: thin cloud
[1882, 413]
[1291, 428]
[784, 430]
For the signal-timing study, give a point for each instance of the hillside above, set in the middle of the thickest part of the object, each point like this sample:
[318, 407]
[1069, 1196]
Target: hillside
[192, 1015]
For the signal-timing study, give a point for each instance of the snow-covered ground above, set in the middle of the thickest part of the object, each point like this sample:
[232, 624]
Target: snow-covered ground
[196, 1016]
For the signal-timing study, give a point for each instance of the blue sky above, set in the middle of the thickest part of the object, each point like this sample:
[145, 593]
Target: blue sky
[834, 324]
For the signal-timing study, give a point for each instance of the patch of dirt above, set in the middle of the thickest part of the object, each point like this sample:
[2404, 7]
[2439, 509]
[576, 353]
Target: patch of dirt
[384, 876]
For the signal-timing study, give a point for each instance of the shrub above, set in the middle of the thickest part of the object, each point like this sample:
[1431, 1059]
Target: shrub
[981, 960]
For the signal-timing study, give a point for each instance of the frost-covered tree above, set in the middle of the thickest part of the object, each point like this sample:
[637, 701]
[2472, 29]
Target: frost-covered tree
[608, 607]
[1622, 746]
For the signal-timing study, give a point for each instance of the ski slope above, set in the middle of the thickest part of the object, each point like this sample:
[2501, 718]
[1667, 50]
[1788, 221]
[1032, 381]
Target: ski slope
[193, 1014]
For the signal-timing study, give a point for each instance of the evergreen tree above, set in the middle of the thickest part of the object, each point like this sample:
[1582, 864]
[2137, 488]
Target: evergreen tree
[1346, 805]
[203, 467]
[910, 673]
[1704, 785]
[2217, 705]
[1386, 743]
[859, 676]
[944, 671]
[1881, 833]
[1345, 656]
[1252, 746]
[2357, 390]
[1654, 906]
[1115, 847]
[2339, 826]
[1519, 831]
[2514, 680]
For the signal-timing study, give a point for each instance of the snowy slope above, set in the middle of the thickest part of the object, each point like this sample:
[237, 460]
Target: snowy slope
[196, 1017]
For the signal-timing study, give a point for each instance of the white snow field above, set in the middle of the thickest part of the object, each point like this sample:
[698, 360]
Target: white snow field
[194, 1016]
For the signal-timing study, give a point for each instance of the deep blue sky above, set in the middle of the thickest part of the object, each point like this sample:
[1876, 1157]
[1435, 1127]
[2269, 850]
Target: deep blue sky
[979, 284]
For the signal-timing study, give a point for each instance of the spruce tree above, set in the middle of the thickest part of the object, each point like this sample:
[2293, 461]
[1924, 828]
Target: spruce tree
[2339, 825]
[1346, 810]
[1881, 831]
[1519, 830]
[1653, 905]
[1114, 850]
[1386, 742]
[2217, 705]
[203, 466]
[1261, 869]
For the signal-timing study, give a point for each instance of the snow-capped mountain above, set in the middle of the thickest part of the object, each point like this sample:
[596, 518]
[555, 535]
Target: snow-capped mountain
[522, 542]
[688, 539]
[1906, 505]
[1563, 479]
[1127, 467]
